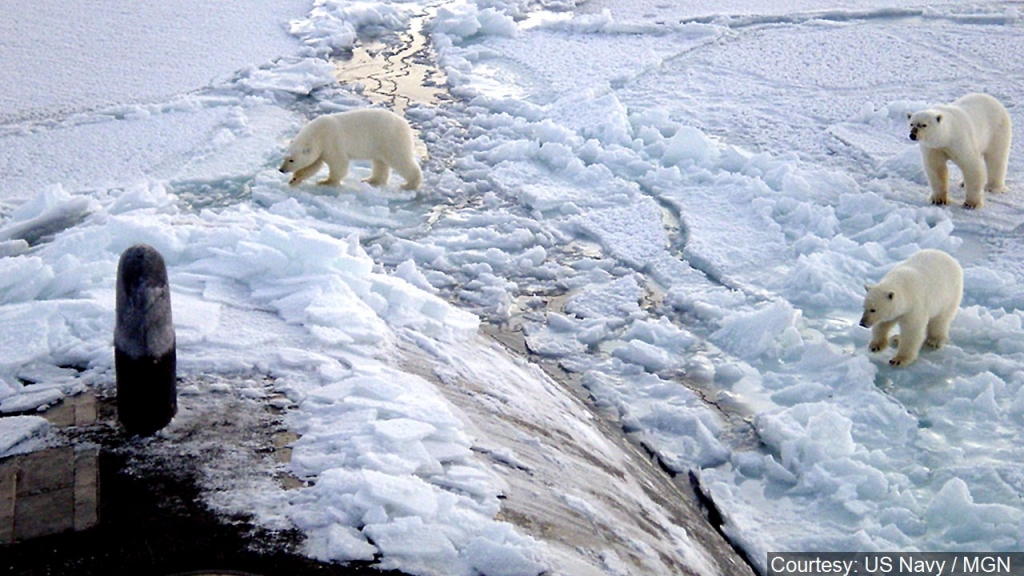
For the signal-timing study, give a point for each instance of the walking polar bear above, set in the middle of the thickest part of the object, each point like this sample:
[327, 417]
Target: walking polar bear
[974, 132]
[922, 294]
[373, 134]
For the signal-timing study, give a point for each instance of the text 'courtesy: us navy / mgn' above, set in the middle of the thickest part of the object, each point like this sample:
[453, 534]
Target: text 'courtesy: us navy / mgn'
[895, 563]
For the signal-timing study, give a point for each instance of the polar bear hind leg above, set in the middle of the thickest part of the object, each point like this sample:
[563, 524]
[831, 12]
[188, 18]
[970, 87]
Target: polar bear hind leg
[938, 329]
[974, 182]
[995, 163]
[380, 175]
[407, 167]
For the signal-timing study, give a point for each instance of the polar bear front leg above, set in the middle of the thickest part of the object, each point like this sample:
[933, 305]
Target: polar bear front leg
[338, 171]
[938, 175]
[302, 173]
[974, 182]
[380, 175]
[912, 335]
[880, 336]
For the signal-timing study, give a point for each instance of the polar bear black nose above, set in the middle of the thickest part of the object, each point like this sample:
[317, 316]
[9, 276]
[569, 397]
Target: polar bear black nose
[913, 135]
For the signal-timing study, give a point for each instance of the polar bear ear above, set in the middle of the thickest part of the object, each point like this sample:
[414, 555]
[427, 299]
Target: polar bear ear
[910, 115]
[868, 287]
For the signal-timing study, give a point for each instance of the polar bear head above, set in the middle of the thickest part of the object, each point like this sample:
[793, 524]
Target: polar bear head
[308, 145]
[926, 127]
[881, 304]
[298, 157]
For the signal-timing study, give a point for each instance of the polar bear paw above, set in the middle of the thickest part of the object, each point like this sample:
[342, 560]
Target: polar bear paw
[877, 346]
[899, 361]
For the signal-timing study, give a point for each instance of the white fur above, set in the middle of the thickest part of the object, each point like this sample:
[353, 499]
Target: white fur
[974, 132]
[373, 134]
[922, 294]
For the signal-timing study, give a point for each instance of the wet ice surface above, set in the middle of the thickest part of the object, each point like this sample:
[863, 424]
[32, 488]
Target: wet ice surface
[395, 72]
[676, 205]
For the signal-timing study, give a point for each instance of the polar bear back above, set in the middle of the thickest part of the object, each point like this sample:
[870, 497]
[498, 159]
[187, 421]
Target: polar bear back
[931, 279]
[985, 115]
[366, 134]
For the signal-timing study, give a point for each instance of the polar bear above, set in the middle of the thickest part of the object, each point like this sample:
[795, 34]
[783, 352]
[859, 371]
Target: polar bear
[922, 294]
[974, 132]
[373, 134]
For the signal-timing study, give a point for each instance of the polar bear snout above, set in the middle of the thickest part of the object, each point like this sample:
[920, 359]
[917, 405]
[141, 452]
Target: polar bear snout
[865, 321]
[921, 121]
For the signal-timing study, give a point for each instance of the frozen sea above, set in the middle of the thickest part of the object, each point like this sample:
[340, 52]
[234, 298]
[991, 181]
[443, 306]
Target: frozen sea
[673, 206]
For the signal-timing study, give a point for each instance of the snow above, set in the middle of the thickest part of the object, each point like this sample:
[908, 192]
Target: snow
[22, 434]
[677, 204]
[69, 57]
